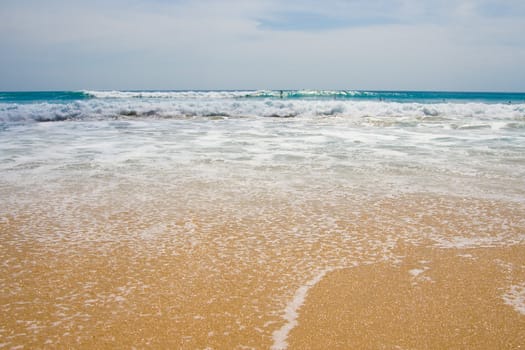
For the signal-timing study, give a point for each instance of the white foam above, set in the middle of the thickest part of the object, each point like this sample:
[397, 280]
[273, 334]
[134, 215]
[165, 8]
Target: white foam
[515, 297]
[111, 104]
[461, 242]
[416, 272]
[115, 94]
[291, 312]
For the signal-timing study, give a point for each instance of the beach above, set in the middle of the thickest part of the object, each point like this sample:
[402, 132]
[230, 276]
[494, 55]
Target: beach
[199, 220]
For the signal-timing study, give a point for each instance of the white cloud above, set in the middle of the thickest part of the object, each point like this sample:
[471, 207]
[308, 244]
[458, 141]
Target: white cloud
[403, 44]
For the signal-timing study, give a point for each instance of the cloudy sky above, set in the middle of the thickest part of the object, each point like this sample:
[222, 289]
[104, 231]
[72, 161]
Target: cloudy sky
[256, 44]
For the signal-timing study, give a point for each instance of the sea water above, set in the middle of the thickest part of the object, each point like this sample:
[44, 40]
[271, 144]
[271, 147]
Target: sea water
[396, 141]
[251, 195]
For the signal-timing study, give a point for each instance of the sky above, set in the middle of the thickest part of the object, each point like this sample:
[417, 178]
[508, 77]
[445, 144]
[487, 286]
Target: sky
[451, 45]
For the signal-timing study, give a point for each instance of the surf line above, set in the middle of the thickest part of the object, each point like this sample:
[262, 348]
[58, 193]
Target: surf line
[291, 312]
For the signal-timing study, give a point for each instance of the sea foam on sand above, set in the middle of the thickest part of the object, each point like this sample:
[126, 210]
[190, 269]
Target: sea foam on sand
[291, 312]
[515, 297]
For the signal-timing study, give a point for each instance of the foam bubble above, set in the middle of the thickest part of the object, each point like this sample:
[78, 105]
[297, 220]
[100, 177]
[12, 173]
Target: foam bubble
[515, 297]
[416, 272]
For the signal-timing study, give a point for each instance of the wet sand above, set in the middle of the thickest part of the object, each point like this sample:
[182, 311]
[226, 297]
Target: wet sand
[434, 299]
[409, 272]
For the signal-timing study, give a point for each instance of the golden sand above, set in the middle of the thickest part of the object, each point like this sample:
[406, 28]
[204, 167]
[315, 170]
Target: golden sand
[198, 282]
[433, 299]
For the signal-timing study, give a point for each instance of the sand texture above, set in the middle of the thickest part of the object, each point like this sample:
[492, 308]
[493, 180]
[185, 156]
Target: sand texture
[407, 272]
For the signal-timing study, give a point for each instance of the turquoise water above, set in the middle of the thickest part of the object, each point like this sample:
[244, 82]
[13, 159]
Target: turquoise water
[42, 96]
[399, 96]
[395, 96]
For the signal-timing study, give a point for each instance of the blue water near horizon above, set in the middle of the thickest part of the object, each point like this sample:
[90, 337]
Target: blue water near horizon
[402, 96]
[387, 96]
[41, 96]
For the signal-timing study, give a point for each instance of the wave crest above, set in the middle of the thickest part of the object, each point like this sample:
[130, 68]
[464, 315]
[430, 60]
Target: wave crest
[378, 112]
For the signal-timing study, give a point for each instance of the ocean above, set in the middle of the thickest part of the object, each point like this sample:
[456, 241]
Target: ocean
[214, 219]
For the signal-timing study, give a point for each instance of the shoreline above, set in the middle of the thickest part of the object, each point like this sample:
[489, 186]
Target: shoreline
[291, 312]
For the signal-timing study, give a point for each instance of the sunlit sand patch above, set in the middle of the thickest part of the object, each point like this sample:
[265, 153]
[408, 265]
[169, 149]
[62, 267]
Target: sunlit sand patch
[377, 306]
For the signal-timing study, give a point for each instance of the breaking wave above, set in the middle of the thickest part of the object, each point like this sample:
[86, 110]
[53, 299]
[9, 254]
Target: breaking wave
[107, 105]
